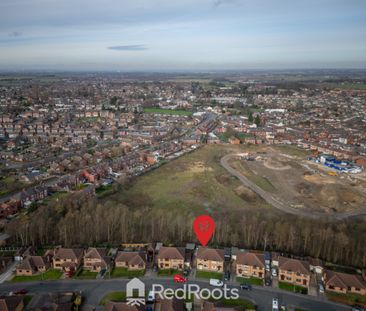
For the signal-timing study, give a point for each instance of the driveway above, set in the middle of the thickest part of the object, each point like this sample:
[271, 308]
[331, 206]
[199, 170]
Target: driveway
[8, 273]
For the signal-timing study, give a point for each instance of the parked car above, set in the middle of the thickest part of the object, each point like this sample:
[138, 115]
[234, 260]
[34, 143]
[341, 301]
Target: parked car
[151, 297]
[357, 308]
[179, 278]
[21, 292]
[186, 272]
[274, 304]
[227, 276]
[216, 282]
[321, 288]
[268, 282]
[155, 268]
[246, 286]
[274, 272]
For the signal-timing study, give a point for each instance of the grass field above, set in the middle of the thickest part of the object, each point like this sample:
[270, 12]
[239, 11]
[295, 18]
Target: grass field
[168, 272]
[348, 299]
[209, 275]
[85, 275]
[252, 281]
[260, 181]
[104, 190]
[292, 288]
[123, 272]
[248, 305]
[113, 296]
[52, 274]
[194, 183]
[168, 111]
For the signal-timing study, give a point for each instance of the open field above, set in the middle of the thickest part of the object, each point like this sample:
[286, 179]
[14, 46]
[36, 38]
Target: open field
[197, 183]
[194, 183]
[168, 111]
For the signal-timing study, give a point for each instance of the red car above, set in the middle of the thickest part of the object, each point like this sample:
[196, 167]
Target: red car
[179, 278]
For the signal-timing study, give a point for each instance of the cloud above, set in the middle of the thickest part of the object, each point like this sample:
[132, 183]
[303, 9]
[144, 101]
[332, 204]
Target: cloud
[133, 47]
[218, 3]
[15, 34]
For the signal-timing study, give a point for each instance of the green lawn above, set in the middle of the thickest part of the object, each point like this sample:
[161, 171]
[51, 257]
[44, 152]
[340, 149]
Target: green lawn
[209, 275]
[27, 299]
[52, 274]
[251, 280]
[348, 299]
[113, 296]
[292, 288]
[168, 272]
[85, 275]
[104, 190]
[248, 305]
[168, 111]
[124, 272]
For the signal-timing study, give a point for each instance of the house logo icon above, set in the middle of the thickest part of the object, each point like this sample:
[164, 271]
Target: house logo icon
[135, 286]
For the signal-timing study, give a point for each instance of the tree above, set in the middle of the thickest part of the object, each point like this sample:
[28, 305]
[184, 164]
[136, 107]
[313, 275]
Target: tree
[257, 120]
[250, 117]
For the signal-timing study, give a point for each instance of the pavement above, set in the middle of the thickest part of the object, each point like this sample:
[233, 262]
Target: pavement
[8, 273]
[95, 290]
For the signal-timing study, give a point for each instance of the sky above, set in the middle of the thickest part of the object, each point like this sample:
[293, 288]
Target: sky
[192, 35]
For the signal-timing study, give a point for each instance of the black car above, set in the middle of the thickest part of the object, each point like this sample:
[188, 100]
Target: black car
[268, 282]
[357, 308]
[186, 272]
[246, 286]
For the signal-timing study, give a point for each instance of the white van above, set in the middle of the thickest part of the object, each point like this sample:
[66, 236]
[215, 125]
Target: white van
[216, 282]
[151, 297]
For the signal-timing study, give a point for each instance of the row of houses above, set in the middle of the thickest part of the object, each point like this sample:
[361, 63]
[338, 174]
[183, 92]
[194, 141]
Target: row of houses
[247, 264]
[71, 259]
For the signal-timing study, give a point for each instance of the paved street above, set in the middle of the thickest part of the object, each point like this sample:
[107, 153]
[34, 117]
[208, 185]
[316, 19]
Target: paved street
[94, 290]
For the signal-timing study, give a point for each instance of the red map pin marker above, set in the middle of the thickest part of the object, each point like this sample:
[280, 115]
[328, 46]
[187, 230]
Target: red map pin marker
[204, 227]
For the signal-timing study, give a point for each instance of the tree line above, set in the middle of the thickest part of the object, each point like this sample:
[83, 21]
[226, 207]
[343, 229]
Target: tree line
[78, 220]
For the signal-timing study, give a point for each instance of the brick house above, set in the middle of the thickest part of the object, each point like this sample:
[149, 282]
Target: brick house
[68, 259]
[250, 265]
[210, 259]
[33, 194]
[171, 258]
[131, 260]
[33, 264]
[296, 272]
[96, 259]
[344, 283]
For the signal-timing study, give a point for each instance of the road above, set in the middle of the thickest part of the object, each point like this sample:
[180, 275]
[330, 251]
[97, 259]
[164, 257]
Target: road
[278, 204]
[95, 290]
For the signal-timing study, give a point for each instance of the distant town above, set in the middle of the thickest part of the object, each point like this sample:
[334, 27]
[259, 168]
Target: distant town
[288, 148]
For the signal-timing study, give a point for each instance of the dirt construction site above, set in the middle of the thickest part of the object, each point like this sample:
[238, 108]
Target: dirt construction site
[302, 184]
